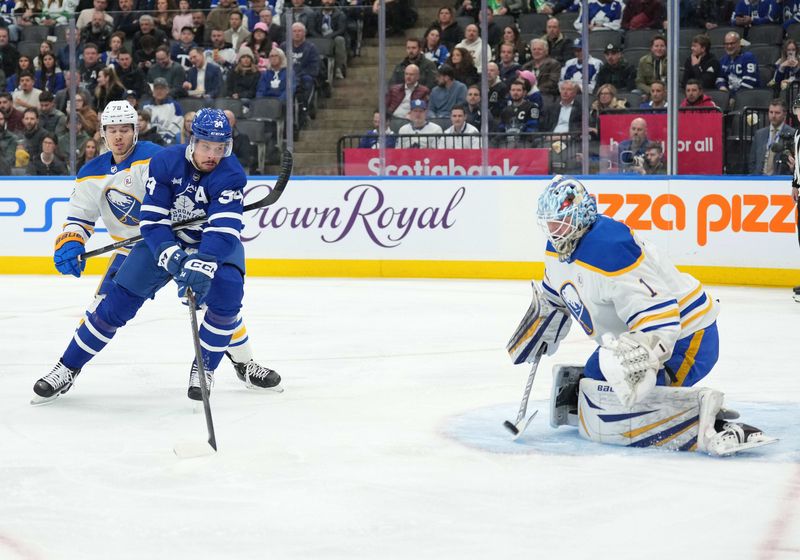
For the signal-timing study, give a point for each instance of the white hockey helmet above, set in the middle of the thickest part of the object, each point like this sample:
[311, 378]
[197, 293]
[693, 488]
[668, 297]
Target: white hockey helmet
[119, 112]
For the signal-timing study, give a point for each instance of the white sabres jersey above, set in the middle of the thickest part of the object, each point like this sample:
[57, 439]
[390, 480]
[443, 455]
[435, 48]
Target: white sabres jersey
[113, 192]
[616, 283]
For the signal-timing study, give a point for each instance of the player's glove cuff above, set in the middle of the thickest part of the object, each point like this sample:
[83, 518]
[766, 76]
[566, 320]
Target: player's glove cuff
[171, 258]
[68, 236]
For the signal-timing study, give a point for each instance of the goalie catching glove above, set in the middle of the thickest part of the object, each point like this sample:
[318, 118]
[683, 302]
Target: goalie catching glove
[69, 246]
[545, 324]
[630, 364]
[189, 271]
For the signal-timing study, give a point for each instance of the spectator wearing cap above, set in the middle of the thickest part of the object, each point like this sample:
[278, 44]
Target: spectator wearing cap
[603, 15]
[507, 67]
[418, 125]
[274, 31]
[400, 96]
[616, 71]
[331, 23]
[558, 46]
[180, 49]
[243, 79]
[447, 94]
[50, 118]
[695, 97]
[573, 69]
[130, 75]
[260, 44]
[26, 96]
[653, 65]
[474, 44]
[133, 98]
[204, 79]
[273, 81]
[167, 69]
[532, 92]
[701, 64]
[165, 113]
[546, 68]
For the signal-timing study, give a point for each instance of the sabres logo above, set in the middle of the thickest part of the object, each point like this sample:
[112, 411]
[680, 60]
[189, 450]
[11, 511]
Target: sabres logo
[124, 206]
[569, 293]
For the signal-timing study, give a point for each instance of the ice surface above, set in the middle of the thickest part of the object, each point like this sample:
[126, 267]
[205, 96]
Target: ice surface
[387, 443]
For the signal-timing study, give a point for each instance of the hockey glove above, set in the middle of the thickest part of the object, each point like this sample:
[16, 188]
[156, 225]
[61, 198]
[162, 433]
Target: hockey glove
[545, 324]
[69, 246]
[630, 364]
[197, 273]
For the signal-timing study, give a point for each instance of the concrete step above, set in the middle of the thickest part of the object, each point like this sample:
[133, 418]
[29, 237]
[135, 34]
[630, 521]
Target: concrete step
[321, 138]
[345, 126]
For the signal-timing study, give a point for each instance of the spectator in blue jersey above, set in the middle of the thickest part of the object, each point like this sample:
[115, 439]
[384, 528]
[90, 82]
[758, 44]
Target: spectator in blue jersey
[739, 69]
[573, 69]
[631, 151]
[204, 79]
[447, 94]
[755, 12]
[520, 117]
[273, 81]
[433, 49]
[652, 66]
[603, 15]
[180, 49]
[791, 12]
[372, 138]
[165, 113]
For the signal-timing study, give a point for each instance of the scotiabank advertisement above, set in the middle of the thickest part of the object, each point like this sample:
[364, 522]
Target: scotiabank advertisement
[700, 146]
[719, 227]
[452, 163]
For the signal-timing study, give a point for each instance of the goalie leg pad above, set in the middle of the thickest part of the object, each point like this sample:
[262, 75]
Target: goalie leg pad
[564, 395]
[669, 417]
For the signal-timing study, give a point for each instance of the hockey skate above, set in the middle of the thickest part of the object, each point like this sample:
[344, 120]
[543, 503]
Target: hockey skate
[195, 392]
[796, 293]
[732, 437]
[257, 376]
[56, 383]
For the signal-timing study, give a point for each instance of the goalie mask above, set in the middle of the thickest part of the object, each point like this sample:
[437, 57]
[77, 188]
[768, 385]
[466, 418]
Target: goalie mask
[119, 112]
[566, 212]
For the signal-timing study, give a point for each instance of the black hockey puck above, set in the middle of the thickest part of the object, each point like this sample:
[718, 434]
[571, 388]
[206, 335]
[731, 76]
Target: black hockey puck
[511, 427]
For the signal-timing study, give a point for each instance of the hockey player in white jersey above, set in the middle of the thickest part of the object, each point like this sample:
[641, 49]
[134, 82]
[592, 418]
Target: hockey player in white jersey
[112, 187]
[655, 328]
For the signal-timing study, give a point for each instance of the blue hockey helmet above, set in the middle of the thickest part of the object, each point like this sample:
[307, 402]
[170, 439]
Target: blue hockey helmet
[211, 125]
[566, 212]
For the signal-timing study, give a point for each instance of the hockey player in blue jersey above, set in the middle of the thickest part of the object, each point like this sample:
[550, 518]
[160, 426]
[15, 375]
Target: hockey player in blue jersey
[655, 328]
[739, 69]
[112, 186]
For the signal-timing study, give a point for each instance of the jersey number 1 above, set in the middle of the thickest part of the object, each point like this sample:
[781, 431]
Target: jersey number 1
[646, 285]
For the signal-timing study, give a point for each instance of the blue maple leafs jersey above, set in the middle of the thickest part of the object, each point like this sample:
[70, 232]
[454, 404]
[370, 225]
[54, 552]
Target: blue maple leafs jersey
[177, 191]
[738, 72]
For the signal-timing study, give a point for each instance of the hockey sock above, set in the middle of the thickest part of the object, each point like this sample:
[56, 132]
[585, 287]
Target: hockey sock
[90, 338]
[239, 348]
[215, 334]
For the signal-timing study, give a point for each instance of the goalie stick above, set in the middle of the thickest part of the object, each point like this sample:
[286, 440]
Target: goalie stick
[519, 427]
[271, 198]
[188, 450]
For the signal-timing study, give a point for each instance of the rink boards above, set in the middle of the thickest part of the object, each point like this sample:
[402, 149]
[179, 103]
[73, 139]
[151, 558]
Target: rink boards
[723, 230]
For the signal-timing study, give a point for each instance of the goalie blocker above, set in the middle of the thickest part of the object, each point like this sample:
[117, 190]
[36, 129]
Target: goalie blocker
[675, 418]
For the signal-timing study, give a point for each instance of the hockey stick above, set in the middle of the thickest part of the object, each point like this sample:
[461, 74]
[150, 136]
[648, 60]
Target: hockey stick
[189, 450]
[271, 198]
[519, 427]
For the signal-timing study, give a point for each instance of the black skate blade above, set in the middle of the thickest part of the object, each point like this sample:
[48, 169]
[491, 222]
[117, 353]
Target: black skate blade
[276, 389]
[193, 449]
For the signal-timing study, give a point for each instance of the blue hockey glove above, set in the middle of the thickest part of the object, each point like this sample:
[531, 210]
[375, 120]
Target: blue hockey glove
[197, 273]
[69, 246]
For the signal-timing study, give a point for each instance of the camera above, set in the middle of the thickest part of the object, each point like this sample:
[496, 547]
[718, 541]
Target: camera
[783, 145]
